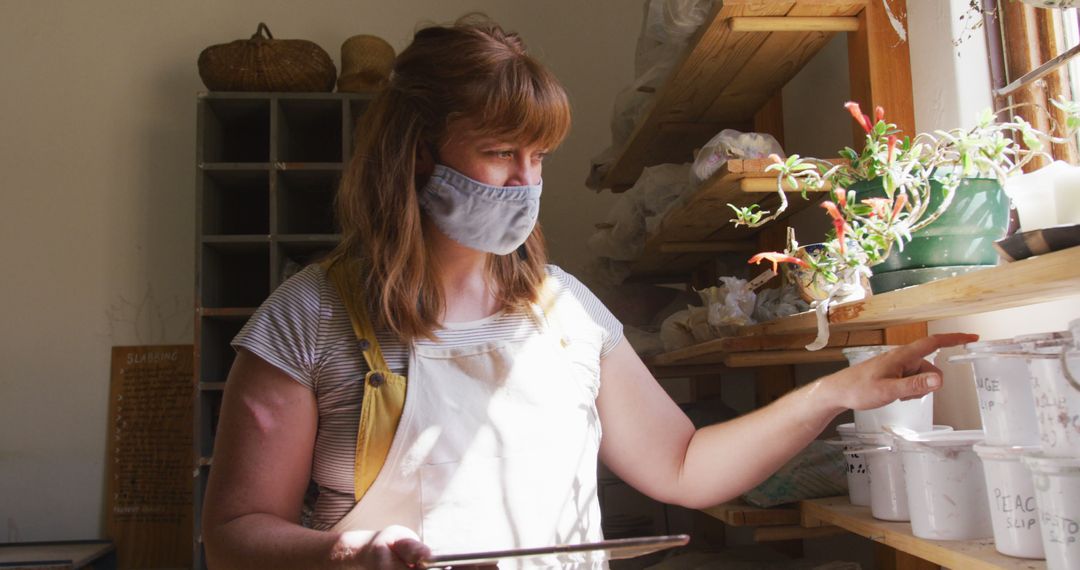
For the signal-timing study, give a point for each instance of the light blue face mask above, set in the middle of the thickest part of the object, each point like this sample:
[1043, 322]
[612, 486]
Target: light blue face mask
[496, 219]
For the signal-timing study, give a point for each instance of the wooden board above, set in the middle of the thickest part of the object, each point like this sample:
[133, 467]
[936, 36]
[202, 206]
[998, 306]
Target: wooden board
[42, 555]
[723, 80]
[150, 456]
[738, 513]
[775, 349]
[1038, 279]
[966, 554]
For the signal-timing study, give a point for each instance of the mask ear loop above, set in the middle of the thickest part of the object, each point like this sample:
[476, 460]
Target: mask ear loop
[1065, 368]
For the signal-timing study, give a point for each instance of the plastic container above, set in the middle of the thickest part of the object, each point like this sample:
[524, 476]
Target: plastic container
[945, 485]
[1057, 493]
[1056, 391]
[1047, 197]
[917, 414]
[1003, 385]
[858, 480]
[1011, 494]
[888, 492]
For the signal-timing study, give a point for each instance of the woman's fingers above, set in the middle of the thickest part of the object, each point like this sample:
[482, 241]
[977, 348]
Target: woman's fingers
[925, 346]
[410, 551]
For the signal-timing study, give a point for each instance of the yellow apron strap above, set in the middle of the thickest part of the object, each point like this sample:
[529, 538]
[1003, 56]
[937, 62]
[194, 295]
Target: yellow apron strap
[384, 391]
[546, 304]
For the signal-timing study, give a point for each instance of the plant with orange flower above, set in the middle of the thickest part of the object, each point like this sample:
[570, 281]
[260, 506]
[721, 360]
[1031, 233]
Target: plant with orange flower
[908, 170]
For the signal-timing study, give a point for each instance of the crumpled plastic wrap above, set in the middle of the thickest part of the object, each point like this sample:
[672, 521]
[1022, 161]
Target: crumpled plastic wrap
[685, 328]
[729, 144]
[665, 34]
[819, 470]
[773, 304]
[622, 236]
[729, 305]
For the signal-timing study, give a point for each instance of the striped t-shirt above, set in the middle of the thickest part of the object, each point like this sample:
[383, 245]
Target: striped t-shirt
[304, 330]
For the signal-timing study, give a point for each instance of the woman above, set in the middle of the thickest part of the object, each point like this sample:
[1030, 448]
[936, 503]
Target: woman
[512, 366]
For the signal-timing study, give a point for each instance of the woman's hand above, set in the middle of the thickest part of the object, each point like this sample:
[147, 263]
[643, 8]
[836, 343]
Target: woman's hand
[900, 374]
[394, 547]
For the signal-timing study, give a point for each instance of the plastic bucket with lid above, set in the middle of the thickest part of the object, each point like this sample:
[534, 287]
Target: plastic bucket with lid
[888, 491]
[1013, 508]
[916, 414]
[945, 485]
[1057, 493]
[858, 480]
[1003, 384]
[1055, 371]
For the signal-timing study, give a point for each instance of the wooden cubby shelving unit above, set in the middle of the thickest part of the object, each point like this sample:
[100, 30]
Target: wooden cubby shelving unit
[267, 166]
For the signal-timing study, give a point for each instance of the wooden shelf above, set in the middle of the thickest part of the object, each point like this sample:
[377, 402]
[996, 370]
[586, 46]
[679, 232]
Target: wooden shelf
[738, 513]
[701, 221]
[1034, 280]
[966, 554]
[727, 76]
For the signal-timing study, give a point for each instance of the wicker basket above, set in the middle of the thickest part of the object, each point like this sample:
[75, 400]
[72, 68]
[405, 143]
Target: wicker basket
[366, 63]
[265, 64]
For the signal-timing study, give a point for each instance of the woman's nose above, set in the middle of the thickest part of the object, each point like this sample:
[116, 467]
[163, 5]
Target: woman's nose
[524, 172]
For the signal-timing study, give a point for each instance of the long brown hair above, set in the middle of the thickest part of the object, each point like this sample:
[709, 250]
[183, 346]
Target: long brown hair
[471, 70]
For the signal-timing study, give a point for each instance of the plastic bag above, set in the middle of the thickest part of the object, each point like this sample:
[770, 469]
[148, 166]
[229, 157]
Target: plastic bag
[776, 303]
[728, 305]
[685, 328]
[623, 235]
[729, 144]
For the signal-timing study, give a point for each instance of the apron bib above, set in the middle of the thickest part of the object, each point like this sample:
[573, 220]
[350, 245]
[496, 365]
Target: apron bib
[496, 446]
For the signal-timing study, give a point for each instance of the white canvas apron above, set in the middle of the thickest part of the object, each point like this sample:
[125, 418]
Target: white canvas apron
[497, 444]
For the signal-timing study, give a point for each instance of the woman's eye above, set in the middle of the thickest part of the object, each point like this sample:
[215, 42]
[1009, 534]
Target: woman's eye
[502, 153]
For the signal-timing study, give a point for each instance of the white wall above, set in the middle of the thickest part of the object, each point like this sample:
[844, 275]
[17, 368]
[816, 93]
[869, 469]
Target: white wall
[952, 86]
[97, 139]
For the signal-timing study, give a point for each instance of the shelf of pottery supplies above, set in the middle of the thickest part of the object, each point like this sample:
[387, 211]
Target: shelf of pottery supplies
[966, 554]
[700, 228]
[1034, 280]
[743, 54]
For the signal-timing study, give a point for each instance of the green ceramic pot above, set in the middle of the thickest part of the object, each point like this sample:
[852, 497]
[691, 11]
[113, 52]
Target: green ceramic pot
[963, 235]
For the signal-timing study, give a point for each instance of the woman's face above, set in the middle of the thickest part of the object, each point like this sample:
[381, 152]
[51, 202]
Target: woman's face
[490, 159]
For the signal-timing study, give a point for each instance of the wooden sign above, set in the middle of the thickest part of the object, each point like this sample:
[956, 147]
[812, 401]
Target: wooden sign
[150, 456]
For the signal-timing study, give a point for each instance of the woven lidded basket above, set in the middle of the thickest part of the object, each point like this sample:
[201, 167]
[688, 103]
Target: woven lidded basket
[265, 64]
[366, 63]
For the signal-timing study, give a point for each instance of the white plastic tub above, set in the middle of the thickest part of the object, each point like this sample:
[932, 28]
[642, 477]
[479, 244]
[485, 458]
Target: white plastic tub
[885, 469]
[1057, 399]
[1011, 493]
[1057, 493]
[946, 487]
[858, 479]
[1003, 385]
[917, 414]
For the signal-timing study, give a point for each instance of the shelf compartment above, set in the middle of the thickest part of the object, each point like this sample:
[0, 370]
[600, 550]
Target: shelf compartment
[309, 130]
[305, 201]
[1033, 280]
[234, 272]
[967, 554]
[739, 513]
[234, 129]
[215, 354]
[703, 218]
[235, 202]
[723, 80]
[209, 412]
[296, 252]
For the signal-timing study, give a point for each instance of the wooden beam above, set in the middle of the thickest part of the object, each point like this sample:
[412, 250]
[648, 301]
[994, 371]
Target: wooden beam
[793, 24]
[766, 185]
[776, 533]
[777, 357]
[880, 65]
